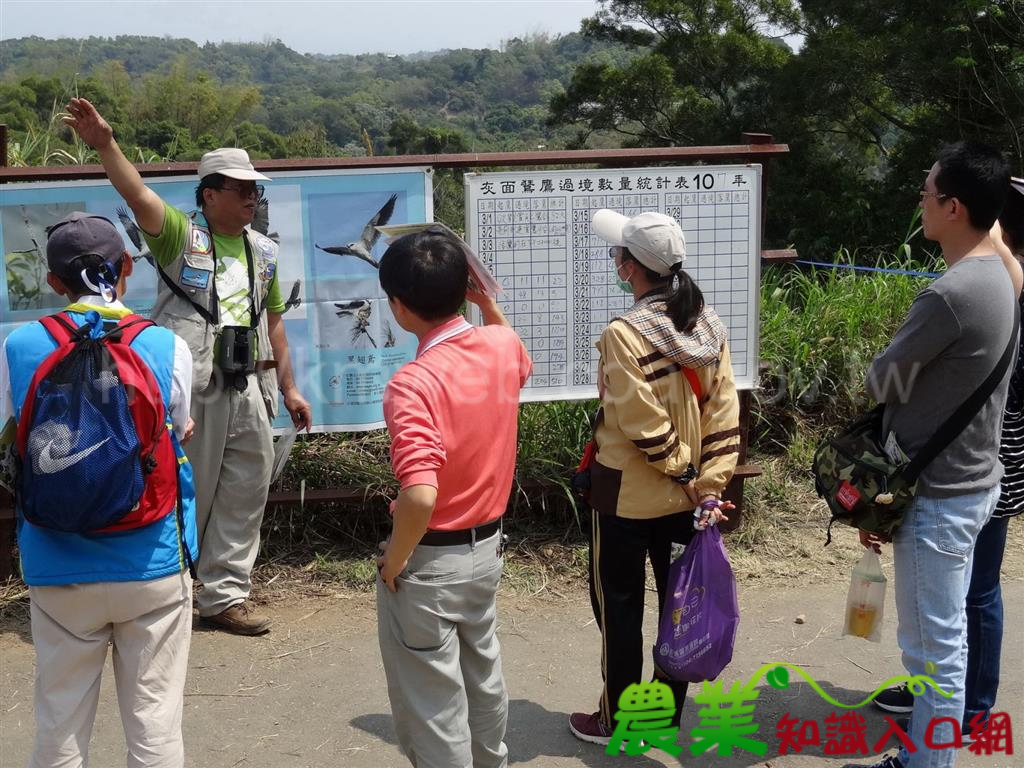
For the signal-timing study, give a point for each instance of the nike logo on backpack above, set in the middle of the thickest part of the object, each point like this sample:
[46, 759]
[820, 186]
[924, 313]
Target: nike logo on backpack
[49, 464]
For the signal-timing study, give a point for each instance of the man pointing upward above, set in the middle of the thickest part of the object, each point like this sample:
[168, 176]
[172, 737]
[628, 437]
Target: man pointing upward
[219, 292]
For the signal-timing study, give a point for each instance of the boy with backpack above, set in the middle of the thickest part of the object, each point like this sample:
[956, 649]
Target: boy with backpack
[95, 402]
[451, 414]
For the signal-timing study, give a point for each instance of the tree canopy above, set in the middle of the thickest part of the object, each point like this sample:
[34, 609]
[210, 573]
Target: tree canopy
[176, 99]
[864, 94]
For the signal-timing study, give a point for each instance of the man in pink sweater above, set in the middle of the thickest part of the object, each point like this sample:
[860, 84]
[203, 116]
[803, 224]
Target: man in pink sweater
[452, 416]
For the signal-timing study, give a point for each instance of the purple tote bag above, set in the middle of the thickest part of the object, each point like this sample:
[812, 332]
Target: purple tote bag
[698, 627]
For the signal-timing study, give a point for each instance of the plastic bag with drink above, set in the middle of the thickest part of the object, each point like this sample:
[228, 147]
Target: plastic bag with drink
[865, 603]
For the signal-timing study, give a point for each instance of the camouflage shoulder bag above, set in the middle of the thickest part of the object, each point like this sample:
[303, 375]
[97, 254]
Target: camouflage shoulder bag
[863, 486]
[858, 481]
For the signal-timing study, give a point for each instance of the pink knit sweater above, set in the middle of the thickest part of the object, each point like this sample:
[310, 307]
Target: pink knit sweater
[452, 415]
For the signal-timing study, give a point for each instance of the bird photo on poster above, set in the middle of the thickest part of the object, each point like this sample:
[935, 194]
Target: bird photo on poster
[135, 235]
[363, 247]
[360, 313]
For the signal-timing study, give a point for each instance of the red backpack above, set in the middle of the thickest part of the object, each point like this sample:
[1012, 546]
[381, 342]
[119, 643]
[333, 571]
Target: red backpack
[93, 439]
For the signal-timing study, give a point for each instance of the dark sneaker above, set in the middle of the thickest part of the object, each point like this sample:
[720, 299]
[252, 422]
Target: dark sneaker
[590, 728]
[969, 727]
[899, 700]
[240, 619]
[889, 762]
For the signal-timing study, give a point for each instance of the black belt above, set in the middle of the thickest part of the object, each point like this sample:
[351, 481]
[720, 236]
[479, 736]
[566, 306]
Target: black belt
[465, 536]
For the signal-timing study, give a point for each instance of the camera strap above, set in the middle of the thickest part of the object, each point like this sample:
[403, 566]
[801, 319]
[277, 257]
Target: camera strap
[254, 316]
[250, 268]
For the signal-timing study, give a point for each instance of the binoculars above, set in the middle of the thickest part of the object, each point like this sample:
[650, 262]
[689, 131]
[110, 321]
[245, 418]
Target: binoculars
[235, 351]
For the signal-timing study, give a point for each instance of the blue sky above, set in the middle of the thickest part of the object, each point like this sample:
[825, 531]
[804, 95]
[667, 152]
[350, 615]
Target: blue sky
[308, 26]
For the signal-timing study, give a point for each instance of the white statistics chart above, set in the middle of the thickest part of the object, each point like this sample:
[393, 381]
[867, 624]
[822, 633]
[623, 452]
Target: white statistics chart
[532, 229]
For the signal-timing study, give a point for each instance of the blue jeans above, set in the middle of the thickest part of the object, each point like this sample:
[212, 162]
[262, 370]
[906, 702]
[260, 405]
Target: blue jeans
[932, 556]
[985, 621]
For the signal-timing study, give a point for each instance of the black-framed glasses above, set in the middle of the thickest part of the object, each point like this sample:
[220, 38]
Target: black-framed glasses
[939, 196]
[244, 190]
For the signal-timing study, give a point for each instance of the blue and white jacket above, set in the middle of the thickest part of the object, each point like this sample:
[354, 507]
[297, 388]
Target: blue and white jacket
[51, 557]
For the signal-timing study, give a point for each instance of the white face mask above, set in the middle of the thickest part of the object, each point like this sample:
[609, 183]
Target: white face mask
[624, 285]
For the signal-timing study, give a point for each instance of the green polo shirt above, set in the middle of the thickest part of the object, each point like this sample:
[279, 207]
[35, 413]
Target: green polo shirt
[232, 277]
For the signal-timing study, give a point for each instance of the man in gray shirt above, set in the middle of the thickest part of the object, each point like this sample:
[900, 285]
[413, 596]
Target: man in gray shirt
[953, 337]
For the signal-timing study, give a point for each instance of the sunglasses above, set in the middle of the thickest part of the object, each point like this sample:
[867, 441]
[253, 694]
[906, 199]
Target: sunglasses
[244, 191]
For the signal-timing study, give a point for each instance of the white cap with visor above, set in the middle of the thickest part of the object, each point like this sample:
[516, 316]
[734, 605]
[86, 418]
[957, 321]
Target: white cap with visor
[231, 162]
[653, 239]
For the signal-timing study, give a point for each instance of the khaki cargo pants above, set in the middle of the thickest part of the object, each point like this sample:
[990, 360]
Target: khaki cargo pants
[232, 454]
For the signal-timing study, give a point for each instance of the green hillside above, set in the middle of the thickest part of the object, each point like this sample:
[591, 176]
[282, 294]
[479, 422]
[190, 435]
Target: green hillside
[863, 99]
[176, 99]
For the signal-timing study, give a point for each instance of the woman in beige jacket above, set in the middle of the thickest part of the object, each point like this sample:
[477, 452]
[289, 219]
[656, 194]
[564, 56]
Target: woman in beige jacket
[667, 439]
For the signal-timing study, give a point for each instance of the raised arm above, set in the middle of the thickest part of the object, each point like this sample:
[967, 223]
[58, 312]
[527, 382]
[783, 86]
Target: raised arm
[96, 132]
[1009, 260]
[489, 309]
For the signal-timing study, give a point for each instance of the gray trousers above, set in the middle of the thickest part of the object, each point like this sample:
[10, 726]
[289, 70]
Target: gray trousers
[442, 657]
[232, 454]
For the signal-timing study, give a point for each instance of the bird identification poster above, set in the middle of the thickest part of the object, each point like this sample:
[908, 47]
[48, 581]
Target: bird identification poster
[345, 344]
[559, 287]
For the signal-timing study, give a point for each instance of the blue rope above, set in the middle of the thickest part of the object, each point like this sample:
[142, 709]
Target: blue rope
[869, 269]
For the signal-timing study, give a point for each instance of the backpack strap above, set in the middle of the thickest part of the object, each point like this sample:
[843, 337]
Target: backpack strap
[61, 327]
[179, 511]
[63, 330]
[129, 327]
[691, 376]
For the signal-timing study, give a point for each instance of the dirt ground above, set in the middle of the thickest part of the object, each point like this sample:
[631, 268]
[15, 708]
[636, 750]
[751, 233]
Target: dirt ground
[311, 693]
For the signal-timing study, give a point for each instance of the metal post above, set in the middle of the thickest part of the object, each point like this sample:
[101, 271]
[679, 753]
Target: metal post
[744, 471]
[754, 139]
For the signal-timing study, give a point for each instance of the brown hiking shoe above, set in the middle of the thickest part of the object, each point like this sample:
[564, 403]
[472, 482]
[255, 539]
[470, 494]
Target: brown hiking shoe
[241, 619]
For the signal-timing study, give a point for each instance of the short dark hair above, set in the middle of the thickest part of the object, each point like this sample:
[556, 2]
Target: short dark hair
[1012, 220]
[978, 176]
[426, 271]
[212, 181]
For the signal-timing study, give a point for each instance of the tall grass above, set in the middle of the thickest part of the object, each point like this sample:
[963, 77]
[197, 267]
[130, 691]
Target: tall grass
[551, 438]
[54, 143]
[820, 329]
